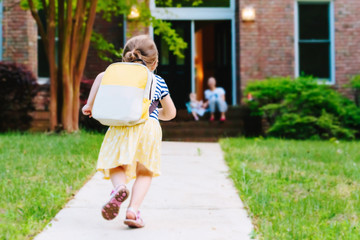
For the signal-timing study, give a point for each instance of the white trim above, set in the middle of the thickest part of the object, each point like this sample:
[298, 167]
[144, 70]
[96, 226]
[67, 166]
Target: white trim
[332, 37]
[1, 35]
[233, 60]
[43, 80]
[151, 31]
[193, 13]
[124, 29]
[202, 13]
[192, 37]
[186, 13]
[332, 44]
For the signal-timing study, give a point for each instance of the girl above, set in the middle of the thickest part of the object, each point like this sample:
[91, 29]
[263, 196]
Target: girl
[196, 107]
[133, 152]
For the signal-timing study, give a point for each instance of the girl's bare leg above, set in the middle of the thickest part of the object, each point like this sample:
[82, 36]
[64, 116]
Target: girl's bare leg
[140, 188]
[117, 176]
[223, 115]
[195, 115]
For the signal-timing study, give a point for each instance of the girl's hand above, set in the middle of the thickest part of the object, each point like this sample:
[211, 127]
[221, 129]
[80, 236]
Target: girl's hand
[87, 110]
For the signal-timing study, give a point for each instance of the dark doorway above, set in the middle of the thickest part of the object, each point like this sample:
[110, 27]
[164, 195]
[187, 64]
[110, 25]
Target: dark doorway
[175, 70]
[212, 41]
[213, 55]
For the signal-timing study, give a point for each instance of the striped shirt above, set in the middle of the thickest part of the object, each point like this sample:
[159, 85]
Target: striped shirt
[161, 91]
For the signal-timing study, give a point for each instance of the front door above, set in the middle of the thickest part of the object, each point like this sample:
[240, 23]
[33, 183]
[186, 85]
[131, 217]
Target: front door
[176, 71]
[213, 56]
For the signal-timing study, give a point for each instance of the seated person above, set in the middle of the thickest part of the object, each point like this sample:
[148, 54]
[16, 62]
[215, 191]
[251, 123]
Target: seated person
[196, 107]
[215, 99]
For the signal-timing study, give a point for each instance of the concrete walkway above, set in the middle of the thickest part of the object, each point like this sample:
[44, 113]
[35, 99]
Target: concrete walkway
[193, 199]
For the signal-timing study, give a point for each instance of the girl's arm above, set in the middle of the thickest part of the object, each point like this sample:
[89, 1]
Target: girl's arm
[168, 110]
[87, 109]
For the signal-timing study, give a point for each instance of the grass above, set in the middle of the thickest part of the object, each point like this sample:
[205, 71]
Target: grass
[298, 189]
[39, 173]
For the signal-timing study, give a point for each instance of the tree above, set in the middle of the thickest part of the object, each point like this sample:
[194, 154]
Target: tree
[72, 21]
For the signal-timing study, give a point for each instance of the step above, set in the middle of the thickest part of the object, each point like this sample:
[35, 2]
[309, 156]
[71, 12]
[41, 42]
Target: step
[202, 124]
[193, 139]
[40, 115]
[39, 126]
[200, 133]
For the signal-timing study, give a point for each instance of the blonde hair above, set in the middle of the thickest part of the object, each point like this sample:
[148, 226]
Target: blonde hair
[141, 47]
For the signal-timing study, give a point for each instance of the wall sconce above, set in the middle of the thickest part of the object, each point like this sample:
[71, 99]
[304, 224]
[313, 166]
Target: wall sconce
[134, 13]
[248, 14]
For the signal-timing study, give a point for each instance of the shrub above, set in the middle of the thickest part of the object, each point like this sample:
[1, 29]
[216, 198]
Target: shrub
[355, 85]
[17, 89]
[303, 108]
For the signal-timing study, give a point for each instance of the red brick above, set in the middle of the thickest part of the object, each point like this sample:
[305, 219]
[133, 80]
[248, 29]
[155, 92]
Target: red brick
[19, 35]
[267, 45]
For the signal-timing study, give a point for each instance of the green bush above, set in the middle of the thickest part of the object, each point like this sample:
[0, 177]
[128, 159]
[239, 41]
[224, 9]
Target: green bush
[303, 108]
[355, 85]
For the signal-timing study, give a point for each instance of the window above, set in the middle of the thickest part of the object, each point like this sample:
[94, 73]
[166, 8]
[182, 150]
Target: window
[189, 3]
[314, 40]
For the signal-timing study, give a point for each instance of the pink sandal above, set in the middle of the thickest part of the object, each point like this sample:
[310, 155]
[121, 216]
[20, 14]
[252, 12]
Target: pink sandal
[111, 209]
[134, 223]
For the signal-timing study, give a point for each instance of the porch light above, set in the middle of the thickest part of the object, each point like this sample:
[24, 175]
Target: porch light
[248, 14]
[134, 13]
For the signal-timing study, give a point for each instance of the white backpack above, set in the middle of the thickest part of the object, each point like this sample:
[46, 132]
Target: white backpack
[124, 95]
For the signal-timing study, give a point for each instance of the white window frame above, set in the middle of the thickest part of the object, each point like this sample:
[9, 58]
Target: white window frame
[332, 79]
[201, 13]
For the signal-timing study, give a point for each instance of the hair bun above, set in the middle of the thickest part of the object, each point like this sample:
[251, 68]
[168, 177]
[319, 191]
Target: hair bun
[132, 55]
[141, 47]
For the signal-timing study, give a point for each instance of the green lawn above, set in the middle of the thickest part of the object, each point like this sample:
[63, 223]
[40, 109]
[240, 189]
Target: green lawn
[298, 189]
[39, 173]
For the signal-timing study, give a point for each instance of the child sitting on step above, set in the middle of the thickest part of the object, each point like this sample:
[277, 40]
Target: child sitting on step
[196, 107]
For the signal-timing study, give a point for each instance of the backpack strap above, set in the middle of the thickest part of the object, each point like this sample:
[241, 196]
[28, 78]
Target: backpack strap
[153, 104]
[139, 60]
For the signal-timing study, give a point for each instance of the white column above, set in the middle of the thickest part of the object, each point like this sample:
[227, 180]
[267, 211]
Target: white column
[192, 42]
[332, 44]
[124, 29]
[233, 60]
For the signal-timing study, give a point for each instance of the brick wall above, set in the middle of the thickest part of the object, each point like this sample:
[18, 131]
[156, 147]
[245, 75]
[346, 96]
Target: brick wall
[134, 28]
[347, 42]
[113, 32]
[267, 45]
[19, 35]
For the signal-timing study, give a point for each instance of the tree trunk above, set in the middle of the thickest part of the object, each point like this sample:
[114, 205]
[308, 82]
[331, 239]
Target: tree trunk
[67, 108]
[66, 76]
[78, 69]
[51, 28]
[74, 33]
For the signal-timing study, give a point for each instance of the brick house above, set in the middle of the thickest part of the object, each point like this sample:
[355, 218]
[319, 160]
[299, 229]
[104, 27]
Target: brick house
[285, 38]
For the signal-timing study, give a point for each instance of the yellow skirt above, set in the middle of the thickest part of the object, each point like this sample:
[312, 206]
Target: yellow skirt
[130, 145]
